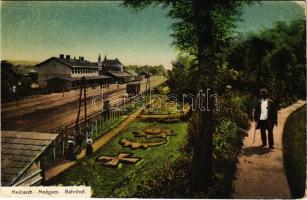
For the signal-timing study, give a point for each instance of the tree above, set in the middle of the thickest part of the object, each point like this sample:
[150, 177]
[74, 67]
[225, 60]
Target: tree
[8, 78]
[181, 77]
[154, 70]
[202, 29]
[274, 59]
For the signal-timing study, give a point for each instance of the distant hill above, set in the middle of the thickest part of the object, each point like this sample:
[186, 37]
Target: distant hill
[23, 62]
[265, 13]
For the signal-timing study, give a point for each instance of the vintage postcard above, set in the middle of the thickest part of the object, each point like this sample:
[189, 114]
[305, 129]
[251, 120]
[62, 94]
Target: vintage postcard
[153, 99]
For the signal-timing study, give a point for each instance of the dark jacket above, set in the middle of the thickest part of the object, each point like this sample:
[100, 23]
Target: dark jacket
[272, 113]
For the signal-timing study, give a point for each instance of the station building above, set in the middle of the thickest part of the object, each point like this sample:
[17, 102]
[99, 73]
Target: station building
[63, 73]
[114, 69]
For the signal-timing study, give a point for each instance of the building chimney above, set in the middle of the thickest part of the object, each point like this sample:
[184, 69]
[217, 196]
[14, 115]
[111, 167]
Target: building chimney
[82, 58]
[61, 56]
[67, 56]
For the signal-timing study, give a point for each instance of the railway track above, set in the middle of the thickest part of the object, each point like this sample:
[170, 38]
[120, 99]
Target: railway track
[52, 116]
[28, 106]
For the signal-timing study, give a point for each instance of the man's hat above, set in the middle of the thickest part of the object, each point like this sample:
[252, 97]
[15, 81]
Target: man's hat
[263, 91]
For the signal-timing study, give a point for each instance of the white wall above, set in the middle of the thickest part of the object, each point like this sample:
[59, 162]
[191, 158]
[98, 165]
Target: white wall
[54, 68]
[50, 69]
[77, 72]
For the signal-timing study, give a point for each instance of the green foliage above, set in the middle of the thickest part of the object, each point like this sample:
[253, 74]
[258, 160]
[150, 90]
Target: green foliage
[25, 87]
[273, 59]
[294, 142]
[227, 142]
[168, 182]
[181, 77]
[129, 109]
[127, 180]
[10, 77]
[154, 70]
[233, 69]
[226, 139]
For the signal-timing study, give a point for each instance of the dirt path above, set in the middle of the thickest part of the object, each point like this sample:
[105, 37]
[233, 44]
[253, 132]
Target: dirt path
[260, 171]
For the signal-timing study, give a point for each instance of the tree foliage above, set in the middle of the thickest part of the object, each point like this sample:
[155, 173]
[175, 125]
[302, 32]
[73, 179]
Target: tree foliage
[182, 76]
[273, 59]
[158, 70]
[203, 30]
[10, 78]
[234, 69]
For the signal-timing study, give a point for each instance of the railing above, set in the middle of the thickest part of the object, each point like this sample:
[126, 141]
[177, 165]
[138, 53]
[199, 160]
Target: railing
[97, 125]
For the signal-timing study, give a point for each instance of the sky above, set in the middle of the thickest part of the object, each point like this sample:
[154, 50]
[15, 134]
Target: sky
[35, 31]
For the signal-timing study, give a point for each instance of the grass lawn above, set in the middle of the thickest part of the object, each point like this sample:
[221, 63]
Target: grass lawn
[107, 125]
[124, 180]
[161, 106]
[294, 143]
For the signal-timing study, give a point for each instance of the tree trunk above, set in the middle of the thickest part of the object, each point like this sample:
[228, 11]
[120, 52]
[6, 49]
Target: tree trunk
[203, 120]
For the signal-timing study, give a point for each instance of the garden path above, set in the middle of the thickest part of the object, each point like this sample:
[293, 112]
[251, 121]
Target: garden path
[260, 171]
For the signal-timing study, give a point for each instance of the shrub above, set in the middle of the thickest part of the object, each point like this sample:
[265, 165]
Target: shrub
[169, 182]
[225, 138]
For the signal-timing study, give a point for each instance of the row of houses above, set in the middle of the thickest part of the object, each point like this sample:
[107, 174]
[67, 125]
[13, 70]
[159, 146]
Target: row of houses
[64, 72]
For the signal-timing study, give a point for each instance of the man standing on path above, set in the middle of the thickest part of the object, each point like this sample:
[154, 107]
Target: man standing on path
[265, 116]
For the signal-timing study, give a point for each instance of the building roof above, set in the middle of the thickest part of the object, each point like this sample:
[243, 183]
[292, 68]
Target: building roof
[133, 73]
[73, 63]
[64, 78]
[133, 83]
[19, 150]
[111, 62]
[119, 73]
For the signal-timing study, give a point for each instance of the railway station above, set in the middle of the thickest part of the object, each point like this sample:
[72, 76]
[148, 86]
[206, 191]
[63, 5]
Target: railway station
[64, 73]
